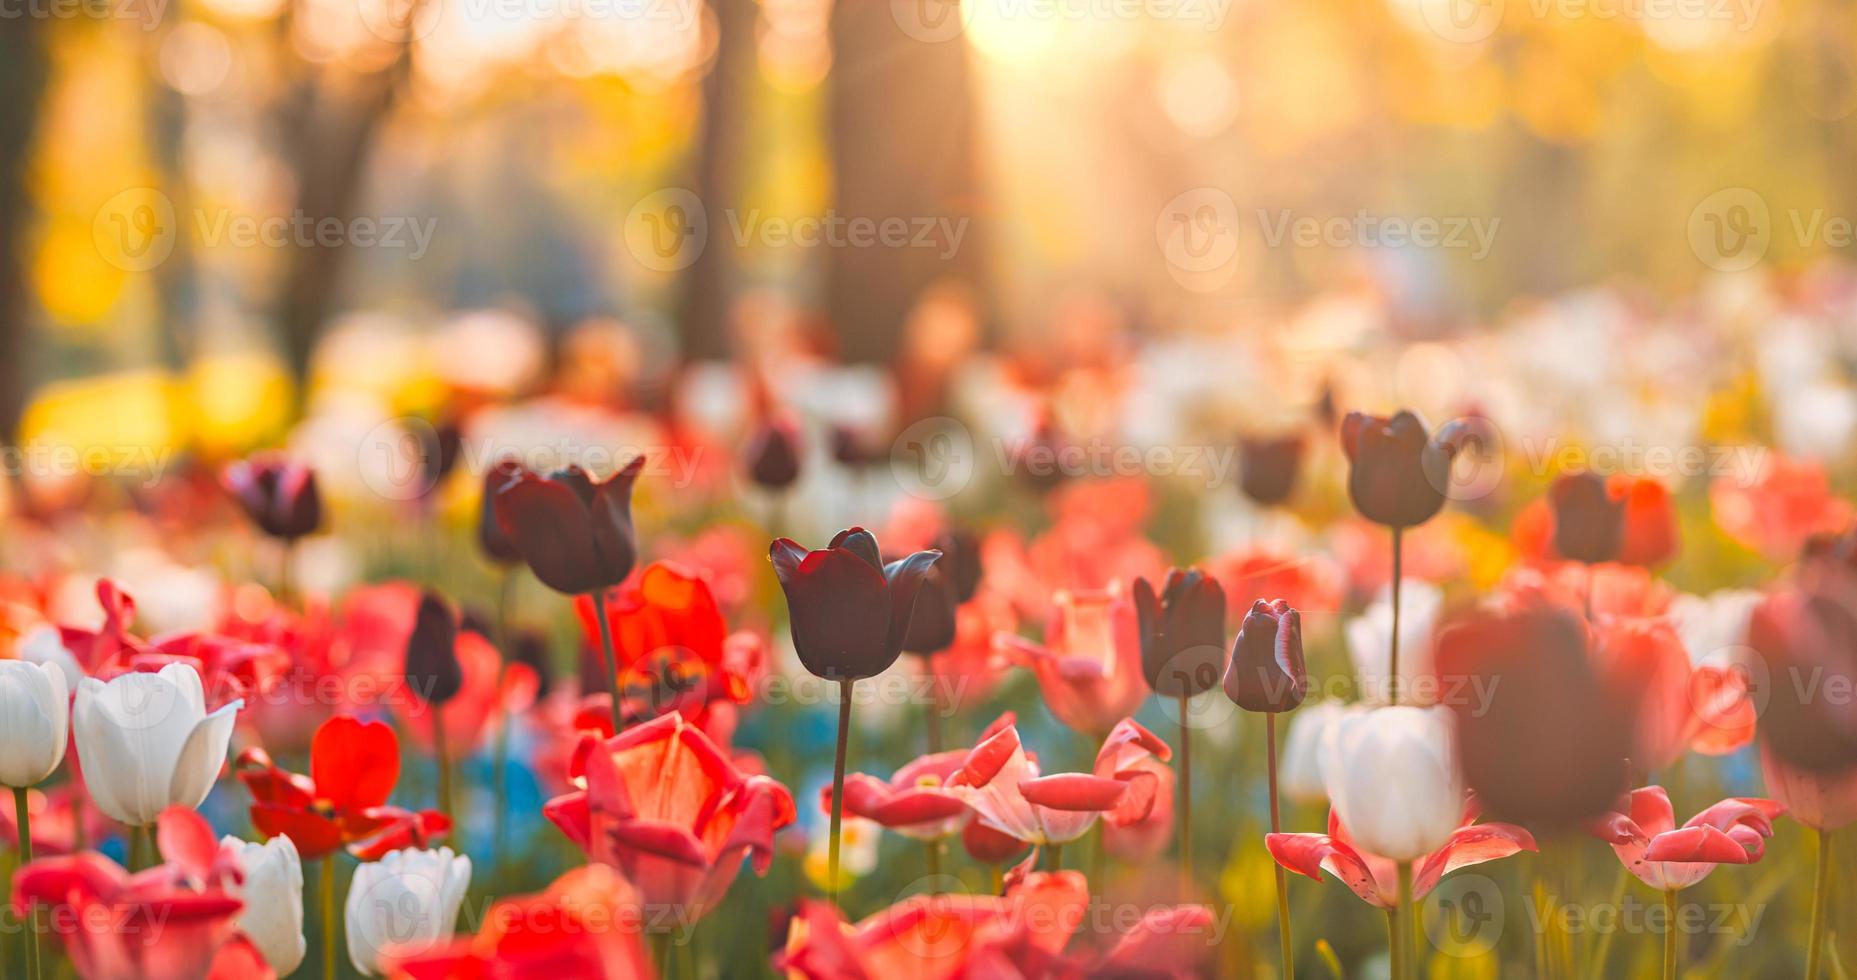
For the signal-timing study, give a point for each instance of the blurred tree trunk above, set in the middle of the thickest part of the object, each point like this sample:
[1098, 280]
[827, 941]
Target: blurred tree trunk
[334, 125]
[23, 71]
[904, 136]
[709, 286]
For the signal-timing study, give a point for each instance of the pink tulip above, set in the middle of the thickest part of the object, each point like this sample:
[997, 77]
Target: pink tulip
[1142, 824]
[1090, 665]
[1823, 801]
[1376, 879]
[1000, 780]
[1668, 857]
[916, 802]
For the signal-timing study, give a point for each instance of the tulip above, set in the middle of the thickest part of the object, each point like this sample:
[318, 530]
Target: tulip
[1393, 779]
[1182, 633]
[1706, 708]
[1670, 858]
[916, 801]
[1089, 668]
[673, 814]
[492, 539]
[403, 904]
[1267, 675]
[1375, 878]
[164, 923]
[277, 493]
[1300, 768]
[1808, 640]
[273, 892]
[585, 924]
[1139, 826]
[1650, 535]
[35, 715]
[772, 455]
[1370, 640]
[575, 535]
[1003, 785]
[435, 677]
[1267, 467]
[988, 846]
[1825, 802]
[1543, 732]
[1588, 521]
[147, 742]
[960, 561]
[353, 768]
[849, 614]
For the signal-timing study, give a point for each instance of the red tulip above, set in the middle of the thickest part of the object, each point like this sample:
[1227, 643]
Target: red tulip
[1141, 825]
[1266, 672]
[674, 649]
[1650, 535]
[849, 612]
[1781, 509]
[916, 801]
[1376, 879]
[989, 846]
[1678, 707]
[353, 768]
[1668, 857]
[673, 814]
[166, 923]
[1397, 472]
[1001, 781]
[587, 924]
[1182, 633]
[277, 493]
[575, 535]
[1089, 667]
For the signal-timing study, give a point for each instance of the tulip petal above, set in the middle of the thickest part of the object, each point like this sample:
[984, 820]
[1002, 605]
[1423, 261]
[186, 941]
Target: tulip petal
[1312, 854]
[33, 740]
[354, 764]
[1470, 845]
[197, 767]
[187, 842]
[1697, 845]
[904, 577]
[1073, 792]
[552, 528]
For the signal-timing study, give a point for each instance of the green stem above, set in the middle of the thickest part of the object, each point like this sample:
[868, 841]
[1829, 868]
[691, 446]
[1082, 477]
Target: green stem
[1276, 827]
[1396, 968]
[23, 823]
[1410, 960]
[499, 778]
[1670, 934]
[661, 947]
[612, 659]
[138, 852]
[1098, 853]
[1821, 888]
[1054, 857]
[442, 749]
[838, 784]
[1597, 968]
[1186, 803]
[1392, 663]
[933, 847]
[934, 704]
[328, 917]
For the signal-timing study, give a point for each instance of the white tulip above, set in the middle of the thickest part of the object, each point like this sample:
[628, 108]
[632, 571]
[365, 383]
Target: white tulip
[273, 915]
[1393, 779]
[407, 902]
[35, 717]
[1299, 772]
[45, 645]
[1370, 639]
[148, 743]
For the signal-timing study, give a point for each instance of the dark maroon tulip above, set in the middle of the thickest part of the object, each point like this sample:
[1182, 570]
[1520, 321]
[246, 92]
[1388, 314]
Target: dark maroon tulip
[277, 493]
[528, 646]
[851, 447]
[1397, 473]
[1267, 467]
[444, 446]
[491, 537]
[1807, 640]
[576, 535]
[1182, 632]
[432, 668]
[1266, 672]
[849, 612]
[1589, 523]
[931, 626]
[772, 455]
[1038, 459]
[960, 561]
[1542, 734]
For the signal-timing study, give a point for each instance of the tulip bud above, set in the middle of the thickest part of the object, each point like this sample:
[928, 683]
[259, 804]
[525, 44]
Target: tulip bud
[1650, 529]
[273, 893]
[148, 742]
[576, 535]
[35, 716]
[1397, 473]
[1392, 776]
[1543, 736]
[1808, 639]
[1182, 633]
[848, 611]
[406, 902]
[1824, 801]
[850, 448]
[1267, 467]
[931, 626]
[1588, 522]
[773, 455]
[277, 493]
[432, 666]
[1266, 672]
[960, 560]
[491, 536]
